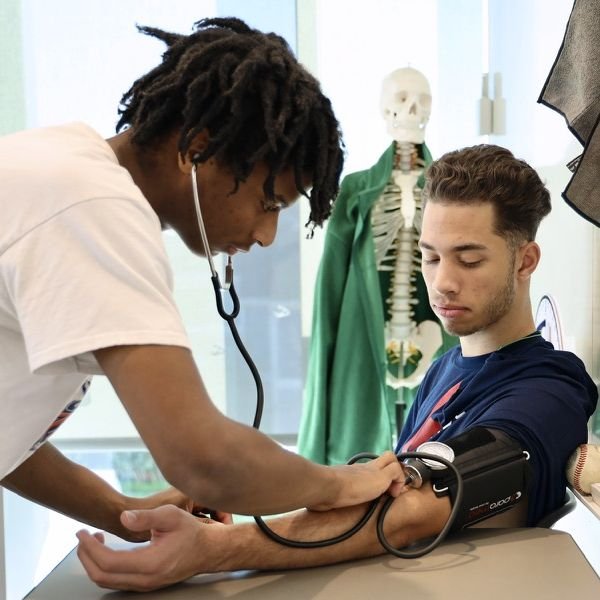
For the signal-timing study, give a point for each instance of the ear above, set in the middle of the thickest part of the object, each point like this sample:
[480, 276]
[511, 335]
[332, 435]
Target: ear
[528, 258]
[197, 145]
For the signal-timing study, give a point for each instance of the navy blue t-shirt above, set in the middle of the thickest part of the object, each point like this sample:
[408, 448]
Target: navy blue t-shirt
[539, 396]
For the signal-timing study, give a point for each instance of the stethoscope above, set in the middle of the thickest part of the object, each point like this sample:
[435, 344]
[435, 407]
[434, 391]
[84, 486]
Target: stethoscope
[229, 317]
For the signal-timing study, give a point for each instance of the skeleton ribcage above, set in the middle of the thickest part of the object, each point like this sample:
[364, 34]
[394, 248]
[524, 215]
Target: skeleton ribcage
[396, 246]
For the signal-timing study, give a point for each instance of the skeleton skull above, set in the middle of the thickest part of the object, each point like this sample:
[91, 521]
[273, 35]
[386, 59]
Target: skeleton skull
[406, 104]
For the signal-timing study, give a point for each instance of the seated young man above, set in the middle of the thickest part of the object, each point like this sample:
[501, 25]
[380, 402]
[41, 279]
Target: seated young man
[482, 211]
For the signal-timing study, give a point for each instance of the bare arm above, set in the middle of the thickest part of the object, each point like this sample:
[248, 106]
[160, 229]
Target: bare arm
[219, 462]
[414, 515]
[182, 546]
[54, 481]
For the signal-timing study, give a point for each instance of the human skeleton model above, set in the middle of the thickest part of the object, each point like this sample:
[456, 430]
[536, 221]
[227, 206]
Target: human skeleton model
[396, 221]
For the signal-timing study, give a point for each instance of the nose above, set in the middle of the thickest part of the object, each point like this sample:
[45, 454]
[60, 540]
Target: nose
[444, 279]
[264, 234]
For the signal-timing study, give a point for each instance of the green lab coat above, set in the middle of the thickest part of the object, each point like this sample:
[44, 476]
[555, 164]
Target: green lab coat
[347, 407]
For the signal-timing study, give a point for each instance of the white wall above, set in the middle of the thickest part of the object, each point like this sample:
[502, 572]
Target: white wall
[523, 50]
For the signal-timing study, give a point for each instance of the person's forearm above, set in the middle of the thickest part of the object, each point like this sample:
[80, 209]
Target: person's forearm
[415, 515]
[52, 480]
[267, 479]
[218, 462]
[272, 480]
[187, 546]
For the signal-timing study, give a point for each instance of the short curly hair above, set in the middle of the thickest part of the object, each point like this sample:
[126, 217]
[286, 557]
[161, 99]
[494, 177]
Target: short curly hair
[489, 173]
[258, 103]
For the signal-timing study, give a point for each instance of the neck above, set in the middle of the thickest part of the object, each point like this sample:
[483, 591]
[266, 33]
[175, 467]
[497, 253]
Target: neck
[514, 326]
[148, 169]
[532, 334]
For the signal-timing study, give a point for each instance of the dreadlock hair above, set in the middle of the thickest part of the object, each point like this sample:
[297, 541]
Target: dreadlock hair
[256, 101]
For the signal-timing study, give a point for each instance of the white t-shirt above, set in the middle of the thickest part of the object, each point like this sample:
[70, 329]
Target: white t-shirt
[82, 266]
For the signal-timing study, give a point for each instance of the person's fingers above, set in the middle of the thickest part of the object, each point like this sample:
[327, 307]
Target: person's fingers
[388, 457]
[91, 551]
[162, 518]
[132, 570]
[388, 460]
[223, 517]
[159, 563]
[135, 582]
[395, 472]
[396, 489]
[84, 533]
[99, 535]
[389, 465]
[209, 516]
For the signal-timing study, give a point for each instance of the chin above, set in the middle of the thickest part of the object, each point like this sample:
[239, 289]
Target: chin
[460, 331]
[198, 251]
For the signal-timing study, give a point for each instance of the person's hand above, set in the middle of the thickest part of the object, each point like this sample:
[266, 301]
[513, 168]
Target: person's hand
[362, 482]
[178, 539]
[173, 496]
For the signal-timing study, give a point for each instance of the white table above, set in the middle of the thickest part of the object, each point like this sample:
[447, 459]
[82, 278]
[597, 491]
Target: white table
[478, 564]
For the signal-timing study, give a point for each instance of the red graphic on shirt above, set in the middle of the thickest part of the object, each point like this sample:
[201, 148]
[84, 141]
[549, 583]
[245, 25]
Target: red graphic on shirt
[66, 412]
[430, 426]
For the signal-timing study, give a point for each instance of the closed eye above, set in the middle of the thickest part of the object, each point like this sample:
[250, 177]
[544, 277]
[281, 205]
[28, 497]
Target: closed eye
[470, 264]
[274, 204]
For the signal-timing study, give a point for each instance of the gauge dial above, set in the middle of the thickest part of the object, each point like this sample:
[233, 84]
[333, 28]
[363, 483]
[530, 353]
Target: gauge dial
[437, 449]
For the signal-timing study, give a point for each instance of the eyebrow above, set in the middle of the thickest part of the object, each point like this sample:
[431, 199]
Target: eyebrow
[459, 248]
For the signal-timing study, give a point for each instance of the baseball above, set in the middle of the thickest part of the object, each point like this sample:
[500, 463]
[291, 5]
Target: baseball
[583, 468]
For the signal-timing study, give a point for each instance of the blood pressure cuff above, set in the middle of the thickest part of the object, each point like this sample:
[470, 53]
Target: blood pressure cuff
[495, 473]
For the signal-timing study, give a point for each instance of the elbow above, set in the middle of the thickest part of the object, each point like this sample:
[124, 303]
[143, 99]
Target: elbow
[202, 478]
[416, 515]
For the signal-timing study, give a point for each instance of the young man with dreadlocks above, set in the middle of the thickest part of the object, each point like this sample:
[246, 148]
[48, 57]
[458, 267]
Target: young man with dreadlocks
[85, 286]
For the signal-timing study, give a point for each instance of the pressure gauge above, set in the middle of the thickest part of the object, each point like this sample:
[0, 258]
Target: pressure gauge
[437, 449]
